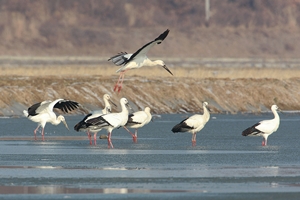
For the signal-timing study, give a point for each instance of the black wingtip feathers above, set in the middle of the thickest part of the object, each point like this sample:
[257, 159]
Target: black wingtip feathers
[162, 36]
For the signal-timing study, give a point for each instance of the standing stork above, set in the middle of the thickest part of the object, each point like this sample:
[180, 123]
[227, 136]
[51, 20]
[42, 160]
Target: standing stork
[111, 121]
[83, 125]
[264, 128]
[193, 124]
[137, 60]
[42, 113]
[137, 120]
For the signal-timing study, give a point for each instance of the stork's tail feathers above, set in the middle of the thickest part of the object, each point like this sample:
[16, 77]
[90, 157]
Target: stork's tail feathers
[178, 128]
[80, 125]
[246, 132]
[250, 131]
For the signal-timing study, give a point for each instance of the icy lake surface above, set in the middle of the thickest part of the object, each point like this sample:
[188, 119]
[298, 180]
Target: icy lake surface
[161, 165]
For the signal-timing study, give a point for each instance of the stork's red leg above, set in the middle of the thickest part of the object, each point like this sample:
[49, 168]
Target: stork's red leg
[109, 141]
[264, 142]
[118, 85]
[43, 138]
[194, 139]
[118, 82]
[133, 135]
[95, 138]
[89, 136]
[122, 79]
[35, 131]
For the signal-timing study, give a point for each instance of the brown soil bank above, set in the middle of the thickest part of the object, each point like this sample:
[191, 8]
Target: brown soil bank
[162, 95]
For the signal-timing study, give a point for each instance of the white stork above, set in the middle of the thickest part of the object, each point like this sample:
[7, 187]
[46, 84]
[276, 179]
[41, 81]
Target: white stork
[84, 126]
[111, 121]
[264, 128]
[193, 124]
[42, 113]
[137, 60]
[137, 120]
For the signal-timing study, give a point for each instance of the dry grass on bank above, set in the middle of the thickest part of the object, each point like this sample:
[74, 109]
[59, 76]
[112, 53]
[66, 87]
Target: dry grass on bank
[188, 72]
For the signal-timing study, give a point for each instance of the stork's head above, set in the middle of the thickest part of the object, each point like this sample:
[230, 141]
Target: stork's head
[162, 64]
[147, 109]
[275, 108]
[108, 100]
[159, 62]
[62, 119]
[205, 104]
[125, 102]
[106, 96]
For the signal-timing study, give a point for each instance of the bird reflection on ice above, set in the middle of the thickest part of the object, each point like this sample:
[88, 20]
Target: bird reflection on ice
[67, 190]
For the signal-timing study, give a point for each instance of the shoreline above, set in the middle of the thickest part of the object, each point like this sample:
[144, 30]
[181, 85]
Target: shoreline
[164, 95]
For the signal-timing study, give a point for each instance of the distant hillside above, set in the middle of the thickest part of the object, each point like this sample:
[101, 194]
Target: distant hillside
[237, 28]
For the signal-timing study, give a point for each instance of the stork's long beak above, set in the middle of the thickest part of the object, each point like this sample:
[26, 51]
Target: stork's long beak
[65, 123]
[110, 101]
[166, 68]
[208, 109]
[128, 106]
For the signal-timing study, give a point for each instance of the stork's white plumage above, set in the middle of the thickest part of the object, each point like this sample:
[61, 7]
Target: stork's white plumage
[42, 113]
[137, 60]
[264, 128]
[83, 125]
[193, 124]
[111, 121]
[137, 120]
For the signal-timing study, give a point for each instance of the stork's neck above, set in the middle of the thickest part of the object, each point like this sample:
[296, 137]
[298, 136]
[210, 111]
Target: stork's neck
[56, 121]
[124, 109]
[124, 113]
[206, 113]
[106, 109]
[148, 113]
[150, 63]
[149, 116]
[276, 116]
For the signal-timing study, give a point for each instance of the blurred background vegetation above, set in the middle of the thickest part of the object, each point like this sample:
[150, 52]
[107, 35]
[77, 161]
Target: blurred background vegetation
[237, 28]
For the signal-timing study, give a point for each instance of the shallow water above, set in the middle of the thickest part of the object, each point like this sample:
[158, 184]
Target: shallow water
[223, 165]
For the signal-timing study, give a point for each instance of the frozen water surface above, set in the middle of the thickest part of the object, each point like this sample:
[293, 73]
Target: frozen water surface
[162, 165]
